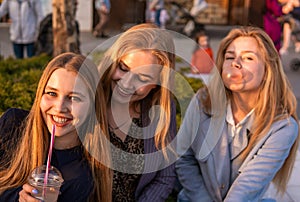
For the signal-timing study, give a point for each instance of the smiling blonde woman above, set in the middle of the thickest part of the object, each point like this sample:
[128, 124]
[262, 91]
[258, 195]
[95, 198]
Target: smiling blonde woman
[69, 97]
[136, 76]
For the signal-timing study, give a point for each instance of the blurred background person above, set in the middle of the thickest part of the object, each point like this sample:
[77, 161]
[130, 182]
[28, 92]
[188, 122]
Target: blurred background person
[291, 25]
[157, 6]
[198, 6]
[103, 10]
[164, 18]
[272, 26]
[4, 18]
[149, 12]
[25, 16]
[202, 59]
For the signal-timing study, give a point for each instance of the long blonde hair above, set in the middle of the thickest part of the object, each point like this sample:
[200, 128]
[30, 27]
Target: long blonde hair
[146, 37]
[276, 99]
[34, 144]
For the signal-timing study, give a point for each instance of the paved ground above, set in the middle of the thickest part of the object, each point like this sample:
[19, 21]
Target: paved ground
[184, 48]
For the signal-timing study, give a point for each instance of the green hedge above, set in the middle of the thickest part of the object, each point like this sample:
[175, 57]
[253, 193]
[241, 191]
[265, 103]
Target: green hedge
[185, 90]
[18, 81]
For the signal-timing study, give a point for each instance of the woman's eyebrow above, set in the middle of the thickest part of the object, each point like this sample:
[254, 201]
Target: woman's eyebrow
[229, 51]
[245, 51]
[50, 88]
[123, 64]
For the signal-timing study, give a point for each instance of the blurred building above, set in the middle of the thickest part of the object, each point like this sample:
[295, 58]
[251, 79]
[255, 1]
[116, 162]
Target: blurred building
[218, 12]
[229, 12]
[122, 12]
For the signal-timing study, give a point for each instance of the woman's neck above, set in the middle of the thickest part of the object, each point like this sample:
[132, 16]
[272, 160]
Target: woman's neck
[62, 143]
[126, 110]
[120, 118]
[241, 106]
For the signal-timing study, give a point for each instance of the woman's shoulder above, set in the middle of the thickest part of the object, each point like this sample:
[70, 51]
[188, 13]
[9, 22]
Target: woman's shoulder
[10, 129]
[285, 121]
[286, 125]
[13, 115]
[289, 124]
[17, 112]
[12, 118]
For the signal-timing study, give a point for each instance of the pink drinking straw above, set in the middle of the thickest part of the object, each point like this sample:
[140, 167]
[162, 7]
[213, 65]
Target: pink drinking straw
[49, 158]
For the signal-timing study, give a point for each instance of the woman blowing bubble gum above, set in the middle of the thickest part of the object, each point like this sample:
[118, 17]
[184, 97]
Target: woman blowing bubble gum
[69, 97]
[234, 74]
[256, 143]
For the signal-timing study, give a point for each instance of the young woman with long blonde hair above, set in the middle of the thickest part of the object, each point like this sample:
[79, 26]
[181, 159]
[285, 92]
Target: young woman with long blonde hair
[259, 136]
[136, 73]
[70, 97]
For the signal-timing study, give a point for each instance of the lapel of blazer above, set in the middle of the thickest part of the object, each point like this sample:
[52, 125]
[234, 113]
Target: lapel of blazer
[152, 158]
[259, 144]
[210, 142]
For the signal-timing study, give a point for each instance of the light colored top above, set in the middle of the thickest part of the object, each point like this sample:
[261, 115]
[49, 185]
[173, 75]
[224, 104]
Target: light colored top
[241, 127]
[26, 16]
[237, 138]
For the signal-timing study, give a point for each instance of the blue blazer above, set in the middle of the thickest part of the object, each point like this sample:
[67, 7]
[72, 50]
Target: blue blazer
[158, 179]
[204, 167]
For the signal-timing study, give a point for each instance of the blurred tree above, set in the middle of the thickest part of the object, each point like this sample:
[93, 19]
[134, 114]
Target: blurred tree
[64, 27]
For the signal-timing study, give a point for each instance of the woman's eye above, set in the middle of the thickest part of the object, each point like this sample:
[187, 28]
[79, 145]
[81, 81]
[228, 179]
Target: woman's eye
[229, 58]
[144, 79]
[51, 93]
[75, 98]
[247, 58]
[122, 67]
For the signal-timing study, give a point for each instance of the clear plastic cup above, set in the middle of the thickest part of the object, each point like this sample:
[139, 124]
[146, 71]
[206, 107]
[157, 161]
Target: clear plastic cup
[46, 192]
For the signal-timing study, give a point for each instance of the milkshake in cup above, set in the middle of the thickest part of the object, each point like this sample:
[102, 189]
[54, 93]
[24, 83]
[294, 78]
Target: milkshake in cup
[47, 185]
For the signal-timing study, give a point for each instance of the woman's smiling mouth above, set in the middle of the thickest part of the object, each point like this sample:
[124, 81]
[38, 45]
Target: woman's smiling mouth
[60, 121]
[123, 92]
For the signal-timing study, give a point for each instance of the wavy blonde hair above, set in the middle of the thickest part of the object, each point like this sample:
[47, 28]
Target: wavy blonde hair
[33, 148]
[276, 99]
[149, 38]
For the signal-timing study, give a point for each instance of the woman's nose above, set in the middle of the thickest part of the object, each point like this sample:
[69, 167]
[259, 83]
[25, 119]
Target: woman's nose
[61, 105]
[236, 63]
[127, 81]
